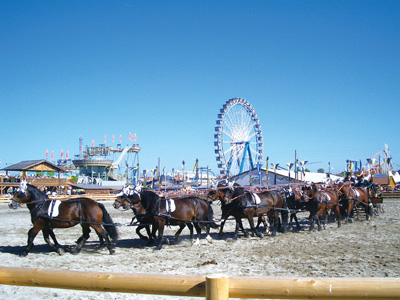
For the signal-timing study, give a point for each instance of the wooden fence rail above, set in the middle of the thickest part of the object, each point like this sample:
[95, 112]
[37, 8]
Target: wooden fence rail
[213, 287]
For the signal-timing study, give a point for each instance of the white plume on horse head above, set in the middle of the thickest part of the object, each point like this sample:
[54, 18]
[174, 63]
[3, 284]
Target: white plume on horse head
[138, 188]
[23, 186]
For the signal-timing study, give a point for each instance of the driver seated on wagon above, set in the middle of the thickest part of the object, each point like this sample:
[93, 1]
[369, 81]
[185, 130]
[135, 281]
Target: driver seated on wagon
[362, 182]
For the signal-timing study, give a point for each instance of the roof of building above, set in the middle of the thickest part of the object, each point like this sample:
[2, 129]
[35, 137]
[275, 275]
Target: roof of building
[40, 165]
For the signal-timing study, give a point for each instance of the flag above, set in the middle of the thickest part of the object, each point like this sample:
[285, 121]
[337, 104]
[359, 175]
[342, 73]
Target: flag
[47, 154]
[134, 137]
[92, 143]
[134, 174]
[62, 153]
[113, 139]
[130, 136]
[67, 155]
[52, 155]
[120, 138]
[196, 165]
[105, 138]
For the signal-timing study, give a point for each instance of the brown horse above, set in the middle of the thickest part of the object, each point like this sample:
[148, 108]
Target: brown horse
[320, 203]
[360, 198]
[84, 211]
[347, 197]
[185, 211]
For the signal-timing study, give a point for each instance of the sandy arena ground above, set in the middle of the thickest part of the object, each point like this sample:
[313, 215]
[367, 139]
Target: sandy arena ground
[359, 249]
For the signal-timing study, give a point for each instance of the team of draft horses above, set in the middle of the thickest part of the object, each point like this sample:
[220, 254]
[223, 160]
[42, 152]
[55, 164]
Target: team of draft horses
[275, 209]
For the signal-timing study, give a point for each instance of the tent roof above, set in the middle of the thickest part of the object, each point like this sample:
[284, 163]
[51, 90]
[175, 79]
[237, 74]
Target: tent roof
[35, 166]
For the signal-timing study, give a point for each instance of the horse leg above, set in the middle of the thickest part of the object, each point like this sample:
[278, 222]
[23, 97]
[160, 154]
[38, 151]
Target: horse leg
[102, 233]
[82, 240]
[47, 232]
[273, 224]
[198, 231]
[290, 225]
[161, 240]
[314, 218]
[297, 222]
[266, 224]
[369, 209]
[141, 236]
[220, 234]
[357, 212]
[337, 214]
[181, 227]
[238, 225]
[208, 236]
[32, 233]
[251, 223]
[284, 214]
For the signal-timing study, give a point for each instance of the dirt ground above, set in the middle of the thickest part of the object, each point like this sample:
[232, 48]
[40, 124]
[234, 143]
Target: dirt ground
[359, 249]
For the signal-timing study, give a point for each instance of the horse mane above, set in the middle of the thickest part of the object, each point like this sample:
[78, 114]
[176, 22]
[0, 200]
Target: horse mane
[38, 194]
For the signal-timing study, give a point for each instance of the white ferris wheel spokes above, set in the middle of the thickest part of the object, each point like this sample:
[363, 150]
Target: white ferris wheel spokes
[238, 138]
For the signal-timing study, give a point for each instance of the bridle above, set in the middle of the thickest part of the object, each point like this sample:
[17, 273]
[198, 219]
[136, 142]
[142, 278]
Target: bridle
[22, 191]
[126, 193]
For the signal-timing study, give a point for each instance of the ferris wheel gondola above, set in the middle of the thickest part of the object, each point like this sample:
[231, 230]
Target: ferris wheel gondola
[238, 138]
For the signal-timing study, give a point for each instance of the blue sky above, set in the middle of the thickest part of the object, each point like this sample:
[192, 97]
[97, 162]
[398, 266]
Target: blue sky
[323, 77]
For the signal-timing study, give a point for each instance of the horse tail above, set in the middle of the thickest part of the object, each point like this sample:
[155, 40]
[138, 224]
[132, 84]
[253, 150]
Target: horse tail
[108, 225]
[210, 216]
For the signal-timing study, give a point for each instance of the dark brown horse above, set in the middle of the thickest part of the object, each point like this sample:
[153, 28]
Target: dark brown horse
[272, 204]
[184, 211]
[125, 200]
[320, 203]
[295, 201]
[235, 203]
[84, 211]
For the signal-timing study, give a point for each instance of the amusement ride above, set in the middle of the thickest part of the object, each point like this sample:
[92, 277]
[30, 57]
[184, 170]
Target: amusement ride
[238, 138]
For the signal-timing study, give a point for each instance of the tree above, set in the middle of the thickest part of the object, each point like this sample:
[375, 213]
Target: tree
[320, 170]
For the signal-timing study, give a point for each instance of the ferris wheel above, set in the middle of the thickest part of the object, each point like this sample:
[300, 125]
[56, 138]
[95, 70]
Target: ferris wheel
[238, 138]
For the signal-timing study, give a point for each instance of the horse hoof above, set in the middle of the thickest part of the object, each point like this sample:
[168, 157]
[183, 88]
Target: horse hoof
[259, 234]
[23, 254]
[60, 251]
[209, 239]
[112, 251]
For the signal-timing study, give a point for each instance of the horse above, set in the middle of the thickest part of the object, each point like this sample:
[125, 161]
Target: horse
[84, 211]
[347, 196]
[359, 196]
[295, 203]
[320, 203]
[187, 211]
[272, 204]
[240, 204]
[125, 200]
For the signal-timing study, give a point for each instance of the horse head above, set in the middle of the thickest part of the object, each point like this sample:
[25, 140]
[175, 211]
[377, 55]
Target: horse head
[345, 190]
[309, 191]
[24, 194]
[127, 198]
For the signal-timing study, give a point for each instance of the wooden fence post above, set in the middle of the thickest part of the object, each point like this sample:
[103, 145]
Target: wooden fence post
[217, 287]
